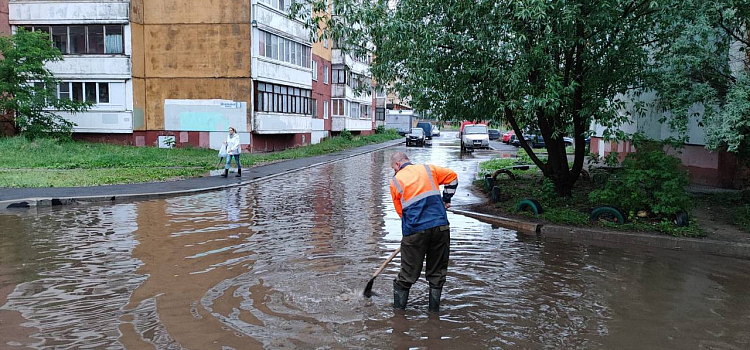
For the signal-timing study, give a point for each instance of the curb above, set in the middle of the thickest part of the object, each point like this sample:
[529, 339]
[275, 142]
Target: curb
[56, 201]
[599, 237]
[520, 226]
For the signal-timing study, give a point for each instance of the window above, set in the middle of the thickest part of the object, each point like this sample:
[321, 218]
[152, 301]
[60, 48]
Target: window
[60, 38]
[283, 5]
[338, 107]
[96, 39]
[315, 70]
[114, 40]
[325, 74]
[325, 109]
[93, 92]
[339, 76]
[364, 112]
[282, 49]
[379, 113]
[77, 39]
[314, 106]
[354, 110]
[325, 42]
[282, 99]
[85, 39]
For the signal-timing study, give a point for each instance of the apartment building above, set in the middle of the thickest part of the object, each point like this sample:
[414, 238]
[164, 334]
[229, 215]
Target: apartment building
[4, 24]
[94, 38]
[351, 92]
[321, 88]
[282, 78]
[159, 72]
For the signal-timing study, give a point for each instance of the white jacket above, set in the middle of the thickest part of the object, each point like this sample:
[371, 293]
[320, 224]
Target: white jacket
[233, 144]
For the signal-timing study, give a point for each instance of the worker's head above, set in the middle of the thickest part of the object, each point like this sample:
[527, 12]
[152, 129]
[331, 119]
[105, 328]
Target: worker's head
[232, 130]
[398, 159]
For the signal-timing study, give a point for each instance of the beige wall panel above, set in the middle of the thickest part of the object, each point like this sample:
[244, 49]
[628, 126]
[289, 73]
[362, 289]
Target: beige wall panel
[196, 11]
[140, 119]
[138, 55]
[197, 50]
[157, 90]
[136, 11]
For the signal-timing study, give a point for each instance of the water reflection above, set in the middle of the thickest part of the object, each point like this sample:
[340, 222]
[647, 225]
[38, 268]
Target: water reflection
[281, 265]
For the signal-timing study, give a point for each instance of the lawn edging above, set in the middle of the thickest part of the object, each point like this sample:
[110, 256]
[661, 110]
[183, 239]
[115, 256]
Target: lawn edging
[594, 236]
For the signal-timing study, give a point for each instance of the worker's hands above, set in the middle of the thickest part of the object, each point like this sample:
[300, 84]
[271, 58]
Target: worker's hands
[447, 205]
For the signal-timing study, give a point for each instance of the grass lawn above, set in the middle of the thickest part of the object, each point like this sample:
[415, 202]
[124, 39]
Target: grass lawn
[572, 211]
[48, 163]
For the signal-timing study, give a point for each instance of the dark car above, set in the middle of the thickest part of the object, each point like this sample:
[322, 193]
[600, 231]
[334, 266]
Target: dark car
[494, 134]
[415, 137]
[427, 127]
[536, 141]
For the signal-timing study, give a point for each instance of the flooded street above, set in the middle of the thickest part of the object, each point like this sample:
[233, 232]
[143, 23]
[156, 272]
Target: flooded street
[281, 265]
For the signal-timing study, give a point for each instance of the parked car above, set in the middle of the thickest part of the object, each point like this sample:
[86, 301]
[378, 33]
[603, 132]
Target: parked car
[427, 127]
[536, 141]
[435, 131]
[415, 137]
[507, 136]
[494, 134]
[475, 136]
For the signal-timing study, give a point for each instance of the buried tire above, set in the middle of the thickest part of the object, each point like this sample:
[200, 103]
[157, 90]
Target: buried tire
[681, 219]
[489, 182]
[531, 205]
[607, 213]
[495, 194]
[503, 171]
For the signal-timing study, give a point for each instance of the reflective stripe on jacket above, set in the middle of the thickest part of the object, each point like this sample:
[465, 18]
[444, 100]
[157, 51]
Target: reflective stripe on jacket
[416, 196]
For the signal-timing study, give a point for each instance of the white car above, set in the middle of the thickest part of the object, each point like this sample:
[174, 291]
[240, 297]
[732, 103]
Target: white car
[475, 136]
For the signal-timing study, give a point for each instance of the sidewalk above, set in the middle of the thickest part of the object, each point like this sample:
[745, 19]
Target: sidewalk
[30, 197]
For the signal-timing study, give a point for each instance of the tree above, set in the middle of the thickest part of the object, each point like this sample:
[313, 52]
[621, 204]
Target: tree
[552, 66]
[703, 73]
[29, 90]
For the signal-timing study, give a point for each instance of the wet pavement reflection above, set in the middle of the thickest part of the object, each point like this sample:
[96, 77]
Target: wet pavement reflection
[281, 265]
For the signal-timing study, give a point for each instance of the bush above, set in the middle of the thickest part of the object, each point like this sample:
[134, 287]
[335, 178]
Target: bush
[347, 135]
[651, 180]
[380, 129]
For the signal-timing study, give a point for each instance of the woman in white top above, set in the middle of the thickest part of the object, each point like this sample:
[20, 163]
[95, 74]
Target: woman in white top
[233, 150]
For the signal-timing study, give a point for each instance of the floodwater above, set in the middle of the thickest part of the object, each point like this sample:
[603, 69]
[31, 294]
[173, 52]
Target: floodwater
[282, 264]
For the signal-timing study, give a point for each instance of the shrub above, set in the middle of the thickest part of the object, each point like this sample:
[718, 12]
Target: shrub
[650, 180]
[380, 129]
[347, 135]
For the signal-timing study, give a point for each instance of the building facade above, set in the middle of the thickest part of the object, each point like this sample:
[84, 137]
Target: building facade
[705, 167]
[321, 86]
[282, 78]
[95, 41]
[160, 73]
[351, 93]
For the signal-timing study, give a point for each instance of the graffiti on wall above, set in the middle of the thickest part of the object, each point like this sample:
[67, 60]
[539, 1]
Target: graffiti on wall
[205, 115]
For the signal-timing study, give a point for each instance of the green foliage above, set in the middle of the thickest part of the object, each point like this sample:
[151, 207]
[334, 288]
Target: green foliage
[651, 180]
[346, 134]
[566, 216]
[555, 66]
[29, 89]
[380, 129]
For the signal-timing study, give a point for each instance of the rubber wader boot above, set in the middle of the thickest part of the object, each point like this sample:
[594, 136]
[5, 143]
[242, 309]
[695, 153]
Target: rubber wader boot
[226, 172]
[239, 172]
[435, 299]
[400, 296]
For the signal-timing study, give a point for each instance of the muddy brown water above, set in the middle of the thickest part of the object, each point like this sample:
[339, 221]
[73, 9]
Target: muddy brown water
[281, 265]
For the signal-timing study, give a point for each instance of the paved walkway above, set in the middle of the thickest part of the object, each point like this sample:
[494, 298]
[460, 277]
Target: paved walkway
[24, 197]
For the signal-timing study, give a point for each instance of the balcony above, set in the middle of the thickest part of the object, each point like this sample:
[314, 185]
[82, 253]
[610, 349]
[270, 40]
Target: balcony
[341, 123]
[68, 12]
[277, 123]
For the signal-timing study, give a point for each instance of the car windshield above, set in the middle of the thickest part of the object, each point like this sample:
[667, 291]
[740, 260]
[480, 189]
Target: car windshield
[476, 129]
[417, 131]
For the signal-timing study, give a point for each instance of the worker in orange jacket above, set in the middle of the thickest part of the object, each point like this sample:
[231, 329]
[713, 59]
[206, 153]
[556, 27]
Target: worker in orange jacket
[424, 225]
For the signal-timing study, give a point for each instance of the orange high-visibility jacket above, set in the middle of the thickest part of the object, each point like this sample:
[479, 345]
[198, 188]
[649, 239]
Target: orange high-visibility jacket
[415, 190]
